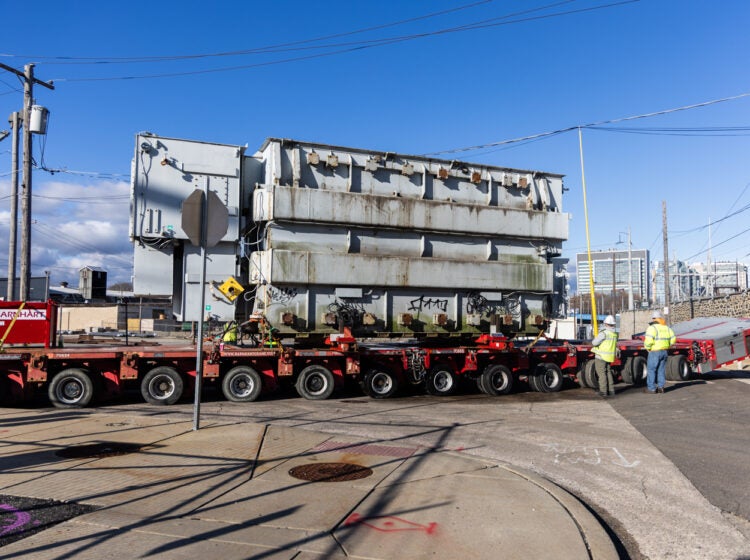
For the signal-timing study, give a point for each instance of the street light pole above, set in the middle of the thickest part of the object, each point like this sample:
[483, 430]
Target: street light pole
[630, 273]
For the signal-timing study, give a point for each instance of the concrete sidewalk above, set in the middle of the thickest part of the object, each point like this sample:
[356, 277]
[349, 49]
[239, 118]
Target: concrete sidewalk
[226, 491]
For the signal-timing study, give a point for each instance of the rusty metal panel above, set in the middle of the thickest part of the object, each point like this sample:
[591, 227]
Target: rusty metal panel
[405, 243]
[399, 310]
[335, 168]
[325, 206]
[302, 267]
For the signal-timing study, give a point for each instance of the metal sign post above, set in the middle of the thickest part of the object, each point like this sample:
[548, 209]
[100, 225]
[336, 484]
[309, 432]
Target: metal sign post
[205, 220]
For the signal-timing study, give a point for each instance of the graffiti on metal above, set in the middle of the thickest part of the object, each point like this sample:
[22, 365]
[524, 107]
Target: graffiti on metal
[423, 303]
[281, 295]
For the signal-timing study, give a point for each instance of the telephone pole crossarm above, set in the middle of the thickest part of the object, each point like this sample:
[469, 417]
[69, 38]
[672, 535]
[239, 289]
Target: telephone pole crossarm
[20, 74]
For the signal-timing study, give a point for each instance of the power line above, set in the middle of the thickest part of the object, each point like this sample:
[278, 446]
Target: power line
[362, 45]
[744, 231]
[704, 131]
[84, 198]
[73, 243]
[271, 48]
[588, 125]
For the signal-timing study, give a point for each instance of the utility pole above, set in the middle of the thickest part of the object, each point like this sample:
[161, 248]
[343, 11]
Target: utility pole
[667, 299]
[13, 236]
[28, 98]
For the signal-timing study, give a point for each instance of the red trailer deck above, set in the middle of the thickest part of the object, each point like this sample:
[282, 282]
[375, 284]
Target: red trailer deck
[78, 376]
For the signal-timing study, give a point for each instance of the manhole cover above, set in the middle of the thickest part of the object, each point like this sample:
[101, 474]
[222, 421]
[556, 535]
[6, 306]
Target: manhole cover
[104, 449]
[330, 472]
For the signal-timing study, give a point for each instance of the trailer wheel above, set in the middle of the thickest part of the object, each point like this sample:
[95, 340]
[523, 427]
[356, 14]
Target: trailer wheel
[162, 385]
[71, 388]
[242, 384]
[315, 383]
[441, 381]
[626, 371]
[548, 378]
[639, 369]
[380, 384]
[582, 375]
[592, 378]
[678, 369]
[496, 380]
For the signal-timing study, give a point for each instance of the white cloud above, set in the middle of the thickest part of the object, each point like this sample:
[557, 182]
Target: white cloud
[74, 224]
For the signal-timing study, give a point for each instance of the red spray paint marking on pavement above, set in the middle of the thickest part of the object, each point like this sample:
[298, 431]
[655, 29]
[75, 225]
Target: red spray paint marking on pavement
[389, 524]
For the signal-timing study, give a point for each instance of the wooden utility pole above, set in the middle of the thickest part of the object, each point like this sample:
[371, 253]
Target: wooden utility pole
[28, 98]
[667, 298]
[13, 235]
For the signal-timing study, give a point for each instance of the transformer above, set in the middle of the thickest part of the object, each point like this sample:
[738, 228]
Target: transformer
[324, 237]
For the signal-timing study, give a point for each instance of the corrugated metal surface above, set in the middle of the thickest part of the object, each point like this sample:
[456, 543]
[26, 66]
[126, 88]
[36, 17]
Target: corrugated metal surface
[375, 240]
[421, 237]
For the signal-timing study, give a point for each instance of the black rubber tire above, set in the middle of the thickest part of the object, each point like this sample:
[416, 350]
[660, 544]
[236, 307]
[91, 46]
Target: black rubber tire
[315, 383]
[626, 371]
[162, 385]
[441, 381]
[581, 373]
[71, 388]
[242, 384]
[531, 380]
[592, 378]
[548, 378]
[495, 380]
[380, 384]
[480, 385]
[639, 367]
[678, 369]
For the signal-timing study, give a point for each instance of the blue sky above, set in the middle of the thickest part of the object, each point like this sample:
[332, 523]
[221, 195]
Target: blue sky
[438, 91]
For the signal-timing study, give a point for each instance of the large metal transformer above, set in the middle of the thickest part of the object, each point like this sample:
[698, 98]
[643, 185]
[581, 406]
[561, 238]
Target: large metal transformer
[330, 237]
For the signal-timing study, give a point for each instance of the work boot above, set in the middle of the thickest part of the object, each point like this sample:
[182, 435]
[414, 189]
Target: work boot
[601, 394]
[660, 390]
[611, 394]
[649, 391]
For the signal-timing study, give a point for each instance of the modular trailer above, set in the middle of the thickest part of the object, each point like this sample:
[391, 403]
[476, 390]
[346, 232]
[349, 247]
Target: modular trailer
[78, 376]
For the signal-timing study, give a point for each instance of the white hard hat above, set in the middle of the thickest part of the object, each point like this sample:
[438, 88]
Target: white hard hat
[657, 315]
[609, 320]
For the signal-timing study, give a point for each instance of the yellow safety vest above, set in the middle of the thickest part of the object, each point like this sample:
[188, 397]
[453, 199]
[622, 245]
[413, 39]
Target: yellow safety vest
[607, 350]
[230, 335]
[658, 337]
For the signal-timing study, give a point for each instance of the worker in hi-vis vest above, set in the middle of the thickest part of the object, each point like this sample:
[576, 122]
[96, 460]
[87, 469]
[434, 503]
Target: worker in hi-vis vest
[659, 337]
[604, 347]
[230, 333]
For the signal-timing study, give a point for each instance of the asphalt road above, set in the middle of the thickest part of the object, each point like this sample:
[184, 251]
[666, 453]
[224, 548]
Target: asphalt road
[601, 450]
[702, 427]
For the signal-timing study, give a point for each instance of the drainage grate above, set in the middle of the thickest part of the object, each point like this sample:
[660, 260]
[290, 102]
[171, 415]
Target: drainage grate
[330, 472]
[104, 449]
